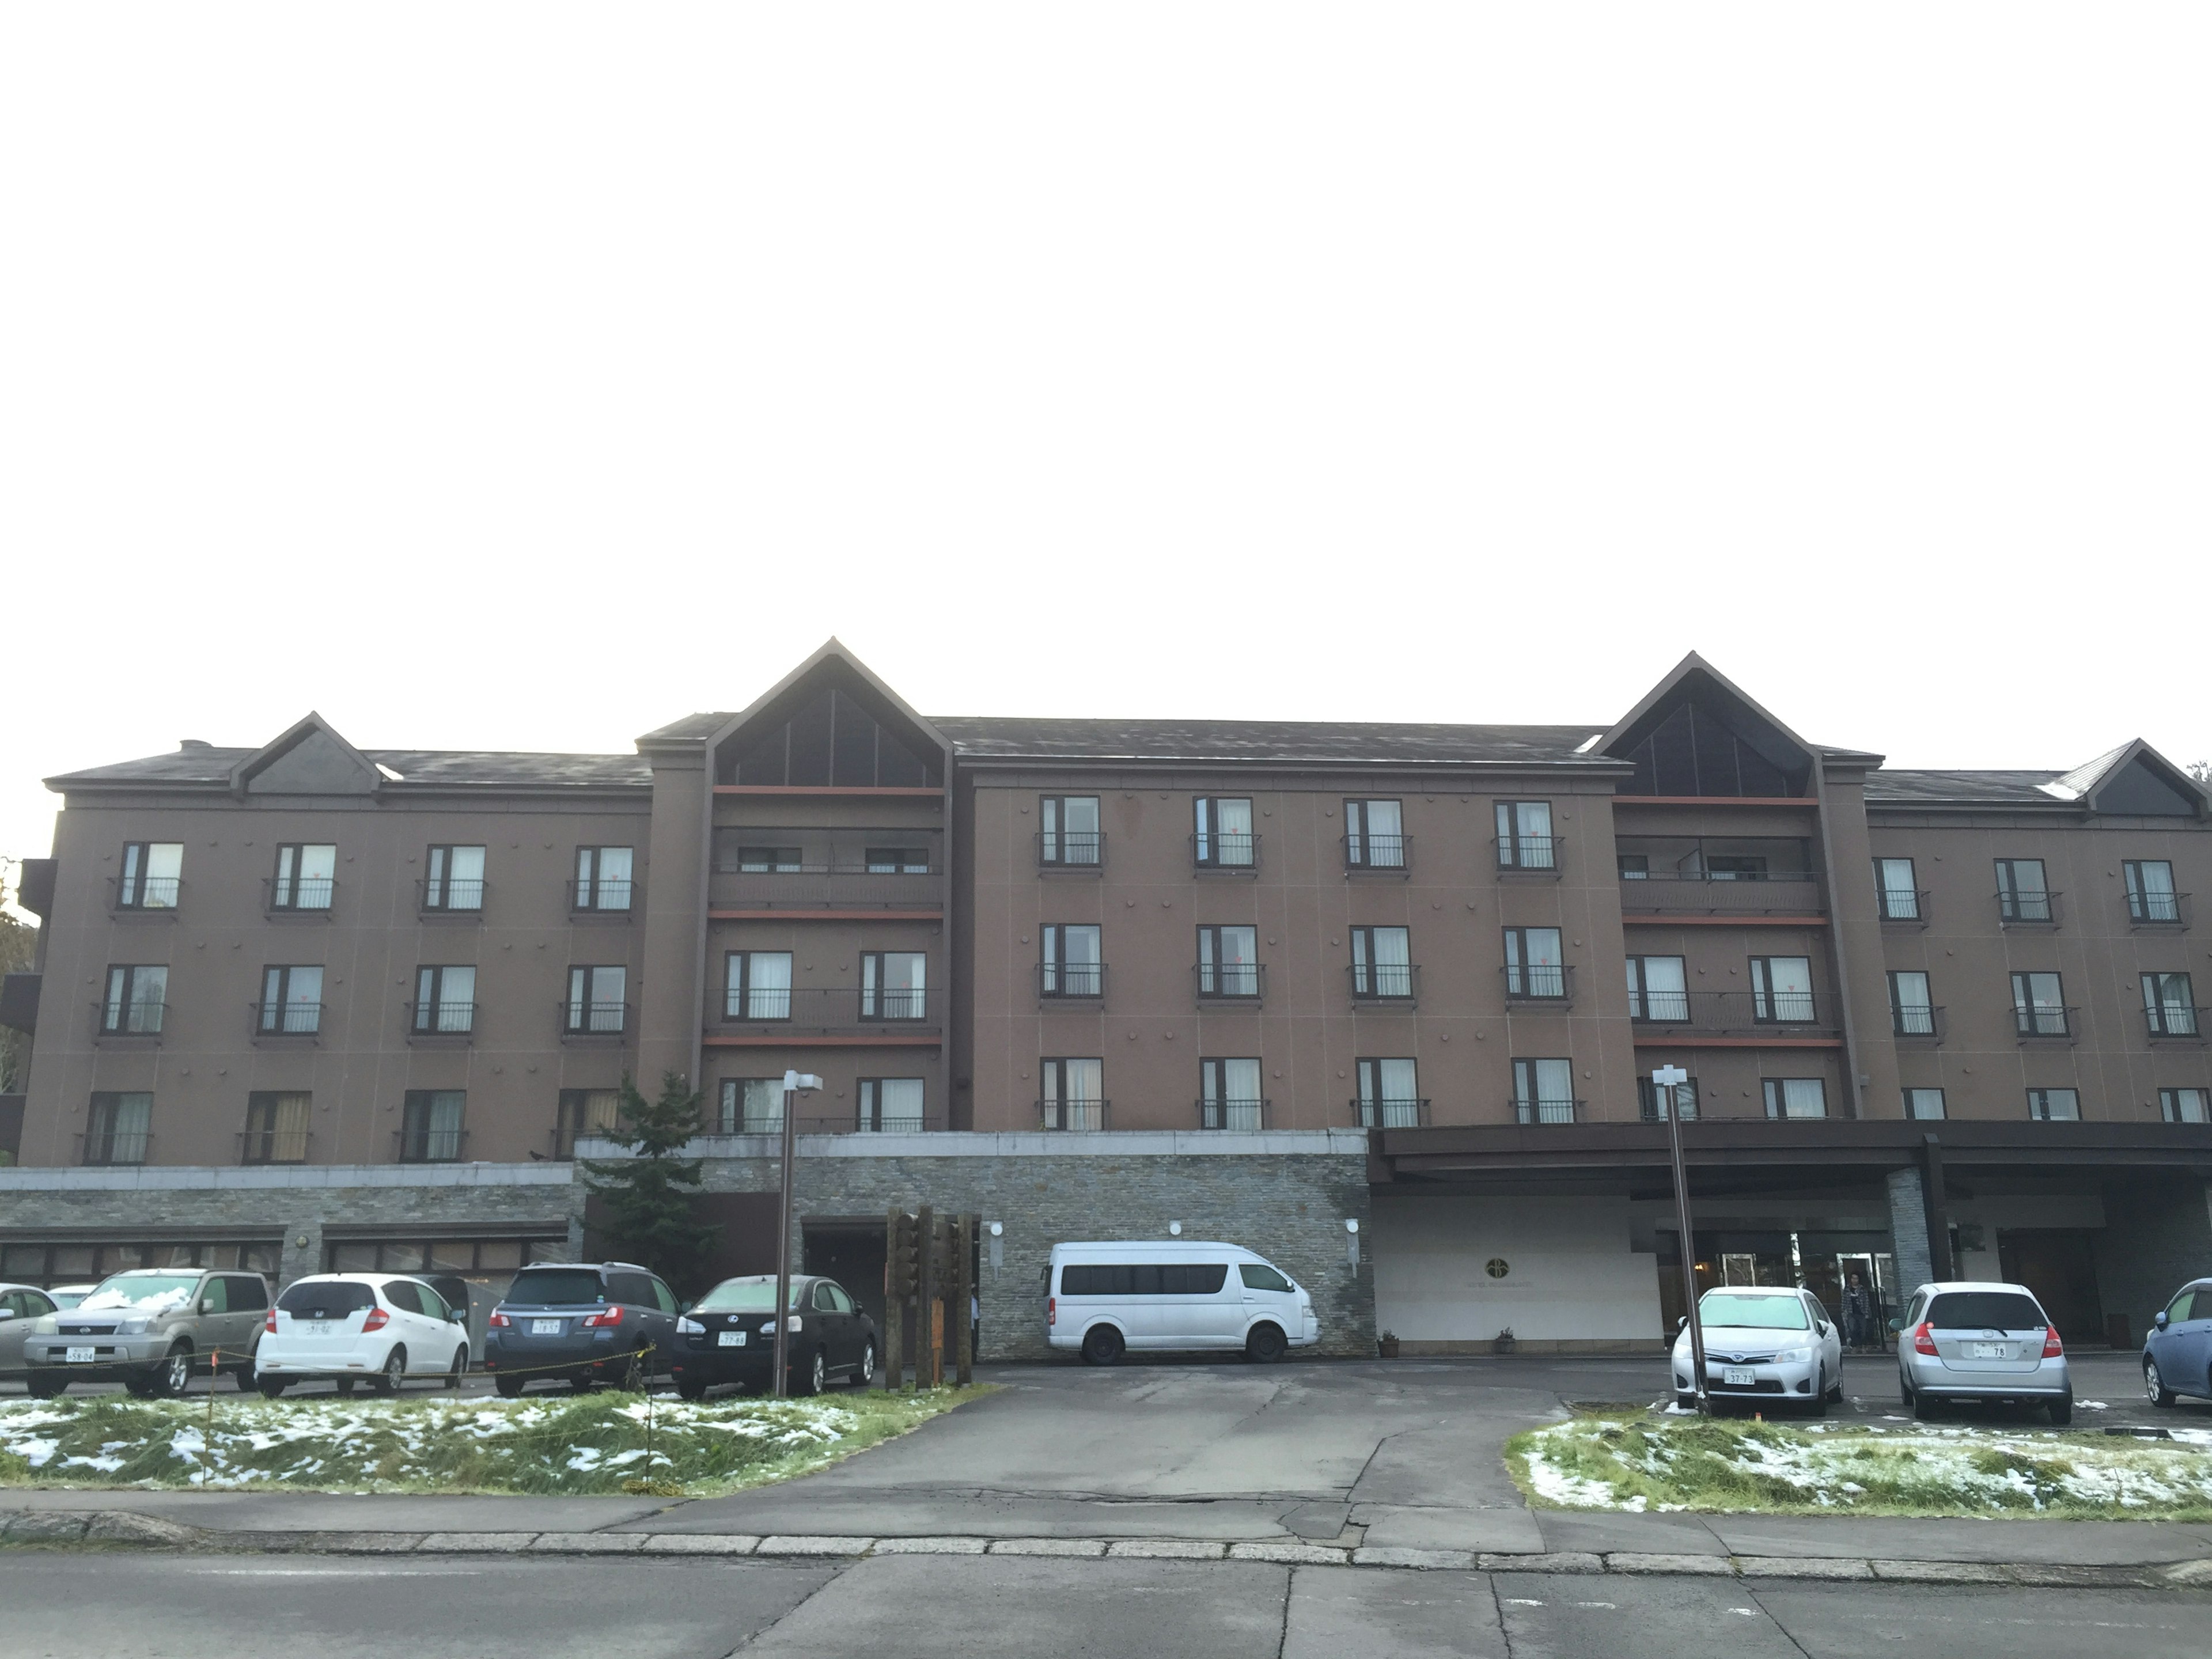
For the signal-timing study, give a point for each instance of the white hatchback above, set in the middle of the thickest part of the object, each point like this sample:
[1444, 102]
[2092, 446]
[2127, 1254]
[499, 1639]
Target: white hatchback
[343, 1328]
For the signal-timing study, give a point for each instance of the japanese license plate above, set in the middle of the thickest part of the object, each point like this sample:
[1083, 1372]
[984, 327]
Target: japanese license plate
[545, 1328]
[319, 1327]
[79, 1356]
[733, 1339]
[1738, 1376]
[1988, 1351]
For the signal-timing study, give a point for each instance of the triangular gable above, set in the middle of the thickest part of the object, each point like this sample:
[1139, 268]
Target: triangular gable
[2133, 781]
[309, 758]
[831, 721]
[1696, 733]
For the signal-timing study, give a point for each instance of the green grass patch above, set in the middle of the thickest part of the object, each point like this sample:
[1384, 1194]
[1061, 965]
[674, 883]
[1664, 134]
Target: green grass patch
[600, 1443]
[1643, 1461]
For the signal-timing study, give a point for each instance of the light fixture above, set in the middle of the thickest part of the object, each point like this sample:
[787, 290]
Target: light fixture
[1175, 1229]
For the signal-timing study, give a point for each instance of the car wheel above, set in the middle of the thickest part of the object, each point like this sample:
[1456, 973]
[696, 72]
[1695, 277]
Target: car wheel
[1101, 1346]
[175, 1375]
[460, 1368]
[510, 1388]
[691, 1388]
[1266, 1345]
[270, 1387]
[47, 1387]
[388, 1380]
[817, 1375]
[2062, 1410]
[345, 1385]
[1836, 1392]
[1923, 1409]
[866, 1373]
[1687, 1402]
[2155, 1385]
[1819, 1407]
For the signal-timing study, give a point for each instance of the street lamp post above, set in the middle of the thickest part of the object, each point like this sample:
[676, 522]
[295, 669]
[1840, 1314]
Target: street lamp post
[1665, 1082]
[795, 1084]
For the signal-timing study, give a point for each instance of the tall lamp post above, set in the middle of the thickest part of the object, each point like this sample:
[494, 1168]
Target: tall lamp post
[1665, 1082]
[795, 1084]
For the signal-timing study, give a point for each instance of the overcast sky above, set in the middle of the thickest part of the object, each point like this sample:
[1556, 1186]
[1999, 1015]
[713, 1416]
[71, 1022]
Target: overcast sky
[526, 377]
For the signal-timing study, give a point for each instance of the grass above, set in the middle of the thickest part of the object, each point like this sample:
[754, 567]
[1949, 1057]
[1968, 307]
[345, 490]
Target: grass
[1645, 1462]
[565, 1445]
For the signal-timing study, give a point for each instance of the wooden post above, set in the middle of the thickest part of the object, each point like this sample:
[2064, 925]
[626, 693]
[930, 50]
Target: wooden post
[925, 1235]
[963, 1293]
[893, 1299]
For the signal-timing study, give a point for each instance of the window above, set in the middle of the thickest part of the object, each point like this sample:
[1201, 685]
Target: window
[1795, 1096]
[1259, 1276]
[896, 861]
[1635, 866]
[276, 1129]
[291, 1001]
[2039, 1005]
[1896, 894]
[2151, 896]
[1924, 1104]
[2021, 894]
[1910, 1012]
[1544, 1091]
[758, 985]
[1648, 1106]
[1381, 963]
[603, 878]
[752, 1106]
[1129, 1279]
[2170, 1006]
[1070, 965]
[1229, 962]
[1533, 967]
[1225, 839]
[2184, 1105]
[1390, 1095]
[582, 1113]
[137, 999]
[596, 1001]
[1068, 831]
[116, 1131]
[1658, 990]
[445, 1001]
[455, 881]
[1524, 836]
[1735, 866]
[752, 860]
[1229, 1094]
[2055, 1105]
[890, 1105]
[430, 1125]
[1073, 1093]
[152, 872]
[1374, 835]
[892, 984]
[1782, 990]
[307, 875]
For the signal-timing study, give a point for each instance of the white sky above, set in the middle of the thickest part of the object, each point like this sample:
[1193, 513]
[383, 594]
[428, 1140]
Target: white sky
[526, 377]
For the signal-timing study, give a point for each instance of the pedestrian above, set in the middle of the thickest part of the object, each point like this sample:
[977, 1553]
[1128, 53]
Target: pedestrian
[1858, 1314]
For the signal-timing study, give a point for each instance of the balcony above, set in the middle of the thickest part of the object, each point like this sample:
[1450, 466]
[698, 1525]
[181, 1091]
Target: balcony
[1529, 855]
[106, 1148]
[2158, 910]
[783, 868]
[298, 897]
[1667, 1016]
[441, 1022]
[275, 1021]
[1536, 985]
[766, 1012]
[1391, 1114]
[449, 899]
[1798, 894]
[583, 1022]
[1547, 1111]
[157, 896]
[1378, 855]
[1918, 1024]
[1076, 1115]
[129, 1022]
[423, 1145]
[274, 1145]
[2027, 909]
[1073, 851]
[1242, 1116]
[1902, 909]
[2045, 1022]
[1225, 854]
[1060, 984]
[2170, 1022]
[1232, 983]
[616, 898]
[1385, 984]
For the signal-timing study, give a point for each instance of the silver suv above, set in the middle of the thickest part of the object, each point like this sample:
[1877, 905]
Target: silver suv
[149, 1330]
[1973, 1339]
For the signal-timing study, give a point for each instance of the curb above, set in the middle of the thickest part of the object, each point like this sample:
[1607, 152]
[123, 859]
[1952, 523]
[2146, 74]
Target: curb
[126, 1529]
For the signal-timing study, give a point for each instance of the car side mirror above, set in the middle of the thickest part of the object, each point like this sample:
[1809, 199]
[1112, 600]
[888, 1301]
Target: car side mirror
[1895, 1325]
[1823, 1327]
[1682, 1322]
[458, 1315]
[207, 1304]
[2159, 1319]
[6, 1314]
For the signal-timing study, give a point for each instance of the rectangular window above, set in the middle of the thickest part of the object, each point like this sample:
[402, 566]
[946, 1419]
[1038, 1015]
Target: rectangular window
[2021, 894]
[2039, 1005]
[2151, 896]
[2184, 1105]
[1229, 962]
[896, 861]
[1782, 990]
[1911, 1012]
[430, 1125]
[2170, 1006]
[1896, 893]
[1924, 1104]
[757, 984]
[583, 1114]
[603, 878]
[1390, 1095]
[1635, 866]
[456, 879]
[119, 1128]
[152, 874]
[307, 877]
[2055, 1105]
[276, 1129]
[291, 1001]
[890, 1105]
[1534, 965]
[1067, 831]
[445, 1001]
[1795, 1096]
[1524, 836]
[1072, 1093]
[1229, 1094]
[751, 1106]
[137, 999]
[1223, 839]
[753, 859]
[1069, 965]
[1735, 866]
[1374, 835]
[893, 985]
[1544, 1091]
[597, 1001]
[1647, 1104]
[1381, 963]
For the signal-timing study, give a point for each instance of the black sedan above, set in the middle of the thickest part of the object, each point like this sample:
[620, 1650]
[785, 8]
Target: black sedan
[729, 1336]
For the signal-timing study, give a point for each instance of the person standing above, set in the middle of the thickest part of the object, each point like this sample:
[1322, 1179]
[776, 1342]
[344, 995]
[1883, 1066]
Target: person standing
[1858, 1314]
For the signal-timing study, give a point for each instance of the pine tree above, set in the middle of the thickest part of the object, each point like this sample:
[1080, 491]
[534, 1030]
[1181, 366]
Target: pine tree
[651, 1199]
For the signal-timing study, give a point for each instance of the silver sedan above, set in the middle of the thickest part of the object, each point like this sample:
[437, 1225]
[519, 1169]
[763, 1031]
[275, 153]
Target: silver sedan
[1770, 1345]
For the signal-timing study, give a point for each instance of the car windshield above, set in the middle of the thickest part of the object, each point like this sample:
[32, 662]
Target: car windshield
[555, 1287]
[745, 1296]
[141, 1291]
[1778, 1312]
[325, 1298]
[66, 1298]
[1984, 1310]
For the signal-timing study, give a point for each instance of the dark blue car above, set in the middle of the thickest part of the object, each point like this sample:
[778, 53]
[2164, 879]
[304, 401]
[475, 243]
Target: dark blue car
[580, 1323]
[2178, 1354]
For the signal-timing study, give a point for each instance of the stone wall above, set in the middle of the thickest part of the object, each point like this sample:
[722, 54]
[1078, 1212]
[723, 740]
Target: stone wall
[2157, 1237]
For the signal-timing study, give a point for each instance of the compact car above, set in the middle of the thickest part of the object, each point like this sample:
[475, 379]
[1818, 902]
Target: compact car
[1769, 1344]
[68, 1296]
[380, 1328]
[149, 1329]
[581, 1323]
[22, 1306]
[2177, 1356]
[728, 1335]
[1976, 1340]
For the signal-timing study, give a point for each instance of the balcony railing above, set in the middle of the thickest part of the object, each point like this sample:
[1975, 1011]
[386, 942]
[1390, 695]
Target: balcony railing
[450, 896]
[2174, 1022]
[1385, 982]
[1391, 1114]
[1236, 853]
[1378, 855]
[429, 1145]
[827, 887]
[1246, 1115]
[1084, 850]
[2158, 909]
[1231, 981]
[594, 1019]
[131, 1019]
[274, 1145]
[2042, 1022]
[99, 1148]
[2027, 909]
[1916, 1021]
[1536, 855]
[284, 1019]
[768, 1010]
[442, 1019]
[299, 896]
[1075, 1114]
[156, 895]
[1071, 981]
[604, 897]
[1798, 894]
[1548, 1111]
[1542, 983]
[1731, 1013]
[1902, 907]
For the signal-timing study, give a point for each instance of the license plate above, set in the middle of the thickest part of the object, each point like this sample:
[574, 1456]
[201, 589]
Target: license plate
[545, 1328]
[1989, 1351]
[80, 1356]
[1738, 1376]
[733, 1339]
[319, 1327]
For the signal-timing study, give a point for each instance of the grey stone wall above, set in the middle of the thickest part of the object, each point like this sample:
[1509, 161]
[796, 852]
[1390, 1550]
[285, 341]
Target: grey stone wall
[2157, 1237]
[1908, 1231]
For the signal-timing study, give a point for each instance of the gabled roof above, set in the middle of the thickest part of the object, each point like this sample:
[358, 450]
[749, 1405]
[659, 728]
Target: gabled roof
[307, 758]
[201, 765]
[1279, 742]
[2134, 778]
[779, 700]
[1694, 679]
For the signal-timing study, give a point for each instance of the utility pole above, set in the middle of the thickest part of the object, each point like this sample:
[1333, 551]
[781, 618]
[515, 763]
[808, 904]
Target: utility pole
[794, 1085]
[1665, 1082]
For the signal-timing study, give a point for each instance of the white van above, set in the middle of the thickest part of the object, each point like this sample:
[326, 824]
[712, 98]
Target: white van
[1173, 1296]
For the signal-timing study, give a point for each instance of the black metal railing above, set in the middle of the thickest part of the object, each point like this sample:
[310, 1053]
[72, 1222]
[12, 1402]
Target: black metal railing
[1539, 855]
[770, 1009]
[2169, 1020]
[100, 1148]
[1071, 981]
[1070, 849]
[1385, 982]
[286, 1019]
[2158, 909]
[594, 1019]
[1732, 1013]
[442, 1019]
[2018, 909]
[611, 898]
[1904, 905]
[1391, 1114]
[1916, 1021]
[828, 887]
[1548, 1111]
[423, 1145]
[303, 896]
[1798, 894]
[2042, 1022]
[128, 1019]
[1075, 1114]
[1391, 855]
[1246, 1115]
[442, 895]
[1239, 852]
[158, 894]
[274, 1145]
[1231, 981]
[1539, 982]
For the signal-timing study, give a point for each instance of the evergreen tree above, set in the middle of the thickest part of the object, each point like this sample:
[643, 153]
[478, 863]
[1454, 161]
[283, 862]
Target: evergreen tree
[650, 1200]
